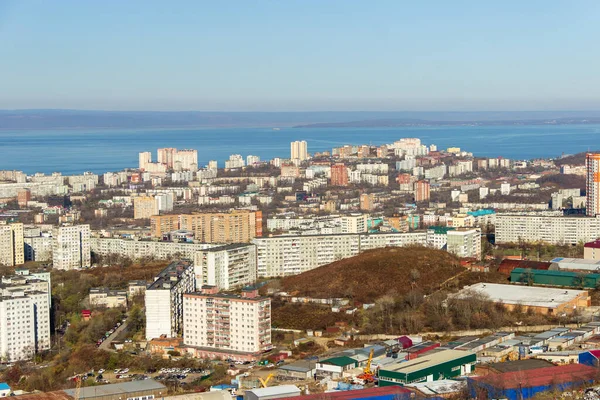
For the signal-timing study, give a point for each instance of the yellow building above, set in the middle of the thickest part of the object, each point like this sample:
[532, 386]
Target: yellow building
[453, 150]
[239, 226]
[144, 207]
[12, 251]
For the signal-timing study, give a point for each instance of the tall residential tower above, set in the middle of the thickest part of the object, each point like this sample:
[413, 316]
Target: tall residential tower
[592, 163]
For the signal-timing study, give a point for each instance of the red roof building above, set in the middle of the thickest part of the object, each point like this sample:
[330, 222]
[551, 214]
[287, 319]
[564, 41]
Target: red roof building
[526, 384]
[379, 393]
[507, 265]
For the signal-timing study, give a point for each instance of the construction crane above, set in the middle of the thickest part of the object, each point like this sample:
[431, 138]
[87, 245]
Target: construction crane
[263, 382]
[367, 375]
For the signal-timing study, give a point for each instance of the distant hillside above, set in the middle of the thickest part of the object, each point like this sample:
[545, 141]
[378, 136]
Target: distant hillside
[392, 123]
[575, 159]
[78, 119]
[375, 273]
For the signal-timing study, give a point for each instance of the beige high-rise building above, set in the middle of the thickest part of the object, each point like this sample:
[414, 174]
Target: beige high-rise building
[185, 160]
[166, 156]
[592, 163]
[234, 326]
[12, 250]
[144, 207]
[145, 158]
[239, 226]
[299, 150]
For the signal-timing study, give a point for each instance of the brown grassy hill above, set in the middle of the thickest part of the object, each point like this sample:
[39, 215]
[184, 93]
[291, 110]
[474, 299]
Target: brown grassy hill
[375, 273]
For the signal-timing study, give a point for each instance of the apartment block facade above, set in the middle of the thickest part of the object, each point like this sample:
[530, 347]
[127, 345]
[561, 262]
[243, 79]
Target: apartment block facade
[239, 226]
[164, 300]
[549, 229]
[24, 316]
[226, 267]
[464, 242]
[12, 251]
[138, 249]
[71, 247]
[292, 255]
[227, 326]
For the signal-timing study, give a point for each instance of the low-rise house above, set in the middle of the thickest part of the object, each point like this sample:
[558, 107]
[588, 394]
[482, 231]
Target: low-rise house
[335, 367]
[303, 369]
[104, 297]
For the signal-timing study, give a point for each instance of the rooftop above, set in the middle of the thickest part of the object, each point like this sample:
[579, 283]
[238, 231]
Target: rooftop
[525, 295]
[520, 365]
[339, 361]
[117, 388]
[427, 361]
[275, 390]
[441, 387]
[171, 273]
[397, 392]
[540, 376]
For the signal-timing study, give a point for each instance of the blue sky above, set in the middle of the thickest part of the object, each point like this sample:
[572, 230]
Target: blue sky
[300, 55]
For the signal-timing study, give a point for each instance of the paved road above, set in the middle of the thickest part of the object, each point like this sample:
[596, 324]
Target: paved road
[106, 344]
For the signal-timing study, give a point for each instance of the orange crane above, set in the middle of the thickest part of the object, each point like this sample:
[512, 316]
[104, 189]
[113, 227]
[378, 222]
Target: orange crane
[367, 375]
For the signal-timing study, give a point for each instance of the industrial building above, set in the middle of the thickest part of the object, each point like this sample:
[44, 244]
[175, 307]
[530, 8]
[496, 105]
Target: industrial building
[335, 366]
[272, 392]
[507, 265]
[537, 299]
[519, 385]
[301, 369]
[375, 393]
[148, 389]
[555, 278]
[591, 250]
[430, 367]
[575, 264]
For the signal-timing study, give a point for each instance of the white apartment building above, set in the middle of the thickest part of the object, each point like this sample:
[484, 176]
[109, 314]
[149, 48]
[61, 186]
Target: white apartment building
[375, 168]
[227, 326]
[464, 242]
[235, 161]
[17, 340]
[164, 300]
[38, 248]
[24, 316]
[407, 164]
[226, 267]
[511, 228]
[251, 160]
[436, 173]
[138, 249]
[104, 297]
[505, 188]
[11, 244]
[185, 160]
[292, 255]
[71, 247]
[354, 223]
